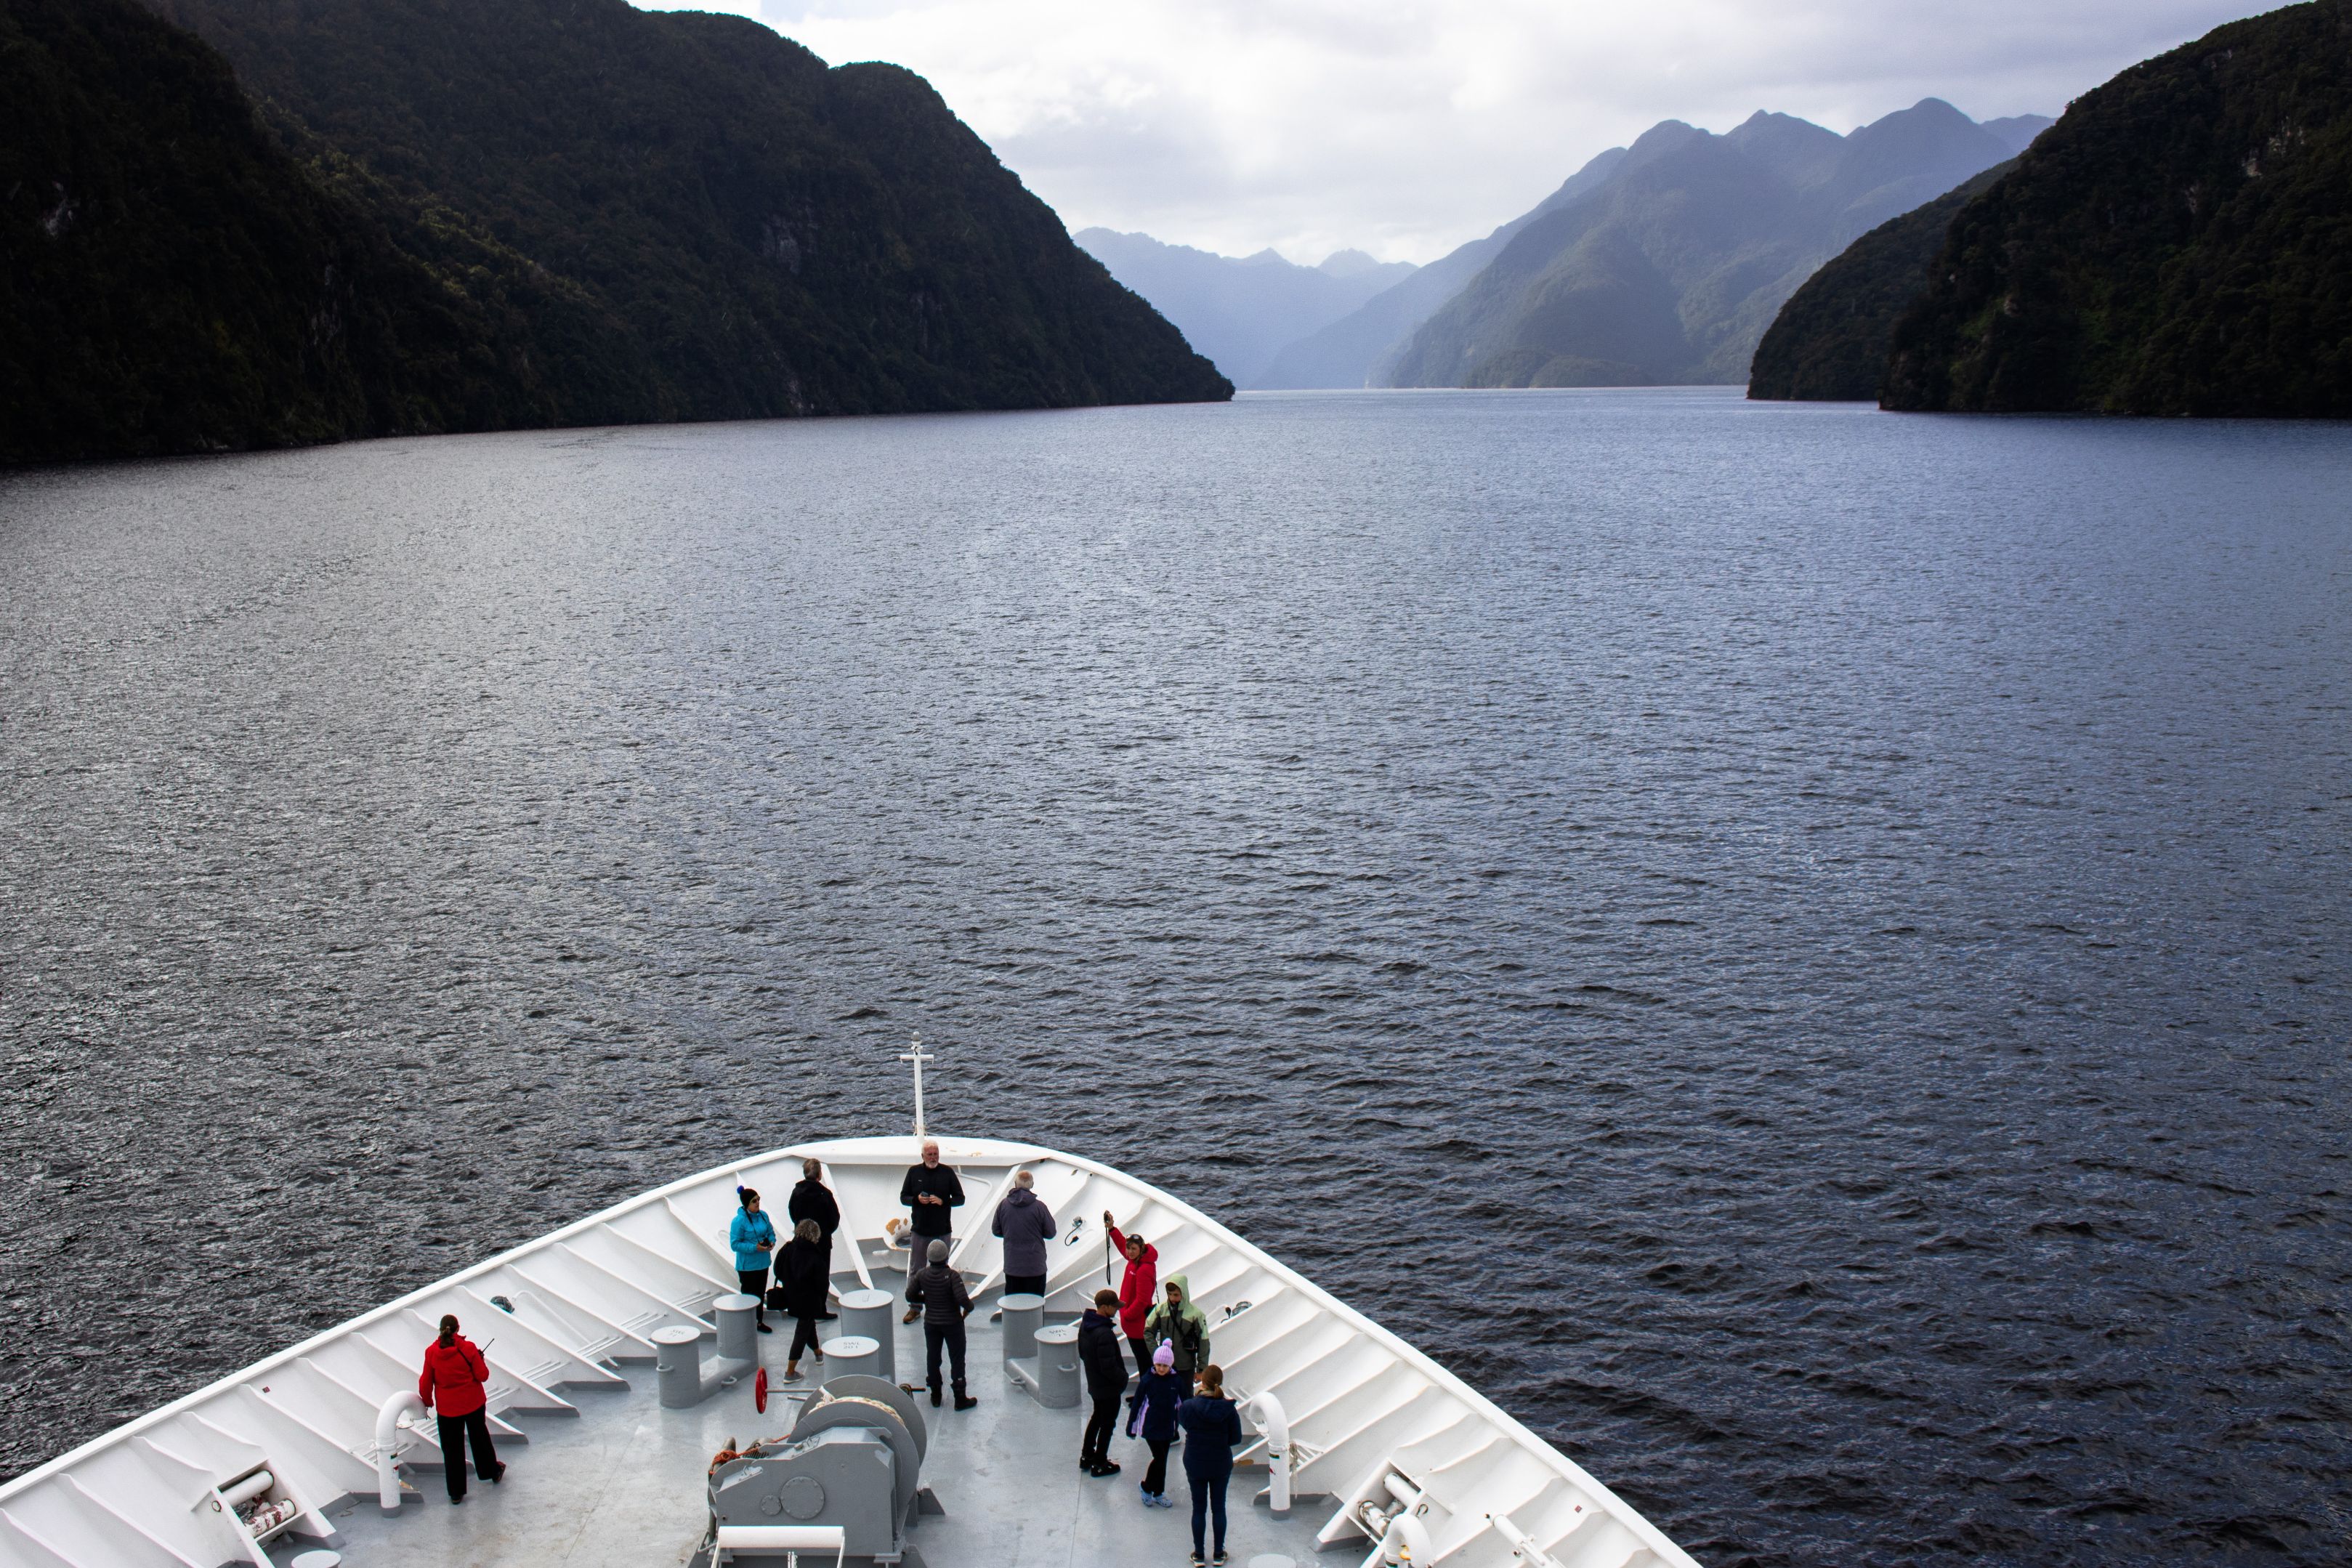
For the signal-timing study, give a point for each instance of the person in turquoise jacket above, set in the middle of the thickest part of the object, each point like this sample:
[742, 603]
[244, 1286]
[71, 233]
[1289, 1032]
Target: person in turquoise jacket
[753, 1237]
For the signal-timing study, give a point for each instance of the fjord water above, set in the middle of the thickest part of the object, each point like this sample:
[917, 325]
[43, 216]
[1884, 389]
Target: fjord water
[1801, 950]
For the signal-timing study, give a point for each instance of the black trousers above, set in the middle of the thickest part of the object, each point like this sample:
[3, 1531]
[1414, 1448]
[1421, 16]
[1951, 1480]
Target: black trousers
[1100, 1425]
[1142, 1356]
[755, 1285]
[949, 1336]
[1155, 1479]
[804, 1337]
[1209, 1498]
[1020, 1284]
[455, 1431]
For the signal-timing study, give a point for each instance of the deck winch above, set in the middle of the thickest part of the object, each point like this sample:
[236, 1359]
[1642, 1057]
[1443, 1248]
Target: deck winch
[844, 1485]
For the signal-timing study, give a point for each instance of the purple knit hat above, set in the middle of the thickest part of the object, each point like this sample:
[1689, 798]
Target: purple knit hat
[1163, 1358]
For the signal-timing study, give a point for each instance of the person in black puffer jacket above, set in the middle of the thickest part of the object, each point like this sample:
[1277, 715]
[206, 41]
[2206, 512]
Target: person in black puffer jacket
[937, 1291]
[1100, 1354]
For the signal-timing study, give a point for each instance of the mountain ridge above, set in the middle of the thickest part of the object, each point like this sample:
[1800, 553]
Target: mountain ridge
[2178, 244]
[1239, 310]
[419, 216]
[1672, 268]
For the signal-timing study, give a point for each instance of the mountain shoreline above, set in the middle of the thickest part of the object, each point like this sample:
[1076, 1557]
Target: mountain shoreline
[232, 224]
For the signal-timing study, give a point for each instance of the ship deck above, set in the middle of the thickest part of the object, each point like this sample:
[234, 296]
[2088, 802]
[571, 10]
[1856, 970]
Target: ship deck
[621, 1484]
[1379, 1439]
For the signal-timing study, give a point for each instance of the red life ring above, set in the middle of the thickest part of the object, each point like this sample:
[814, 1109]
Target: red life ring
[760, 1392]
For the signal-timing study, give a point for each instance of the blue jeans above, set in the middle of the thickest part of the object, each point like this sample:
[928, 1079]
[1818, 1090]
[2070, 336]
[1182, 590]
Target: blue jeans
[1208, 1497]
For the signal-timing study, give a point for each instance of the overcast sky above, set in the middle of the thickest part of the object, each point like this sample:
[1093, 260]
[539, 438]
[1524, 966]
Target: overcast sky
[1405, 127]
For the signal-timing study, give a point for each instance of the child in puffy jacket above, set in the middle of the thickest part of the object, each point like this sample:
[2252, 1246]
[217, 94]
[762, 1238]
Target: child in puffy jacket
[1151, 1416]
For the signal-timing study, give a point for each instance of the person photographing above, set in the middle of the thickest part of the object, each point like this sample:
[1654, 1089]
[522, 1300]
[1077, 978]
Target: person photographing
[752, 1236]
[932, 1193]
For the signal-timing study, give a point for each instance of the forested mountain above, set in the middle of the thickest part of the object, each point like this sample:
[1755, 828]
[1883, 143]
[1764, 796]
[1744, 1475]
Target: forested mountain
[2180, 242]
[484, 213]
[1239, 310]
[172, 280]
[1828, 342]
[1358, 349]
[1670, 270]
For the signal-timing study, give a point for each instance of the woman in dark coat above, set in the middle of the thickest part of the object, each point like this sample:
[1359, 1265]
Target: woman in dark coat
[1212, 1430]
[804, 1269]
[812, 1199]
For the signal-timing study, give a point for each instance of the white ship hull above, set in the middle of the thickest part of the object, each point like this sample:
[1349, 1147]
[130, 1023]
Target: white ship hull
[1383, 1444]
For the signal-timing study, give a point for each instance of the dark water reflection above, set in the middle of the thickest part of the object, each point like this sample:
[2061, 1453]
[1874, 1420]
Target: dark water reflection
[1802, 949]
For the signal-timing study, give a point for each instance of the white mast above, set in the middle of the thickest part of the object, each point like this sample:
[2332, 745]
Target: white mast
[918, 1056]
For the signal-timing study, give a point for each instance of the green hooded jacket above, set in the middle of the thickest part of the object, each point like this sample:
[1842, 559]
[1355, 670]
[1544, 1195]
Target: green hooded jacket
[1187, 1329]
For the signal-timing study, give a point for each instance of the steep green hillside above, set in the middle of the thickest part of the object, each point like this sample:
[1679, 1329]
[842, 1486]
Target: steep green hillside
[170, 280]
[1673, 268]
[496, 214]
[779, 237]
[1828, 342]
[2180, 242]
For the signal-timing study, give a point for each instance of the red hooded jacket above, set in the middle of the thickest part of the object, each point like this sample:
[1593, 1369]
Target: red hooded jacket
[454, 1375]
[1139, 1287]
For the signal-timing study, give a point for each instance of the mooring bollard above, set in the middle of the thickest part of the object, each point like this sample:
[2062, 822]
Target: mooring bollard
[868, 1313]
[848, 1355]
[686, 1380]
[1057, 1366]
[739, 1329]
[1022, 1313]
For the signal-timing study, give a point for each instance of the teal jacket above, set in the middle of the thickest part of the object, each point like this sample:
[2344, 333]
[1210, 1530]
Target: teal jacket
[751, 1227]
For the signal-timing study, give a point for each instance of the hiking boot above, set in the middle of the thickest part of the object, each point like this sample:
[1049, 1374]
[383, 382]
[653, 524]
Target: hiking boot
[965, 1401]
[935, 1396]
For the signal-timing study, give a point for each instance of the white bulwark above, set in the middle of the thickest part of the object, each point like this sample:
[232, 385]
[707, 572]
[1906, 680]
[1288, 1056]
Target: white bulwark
[1383, 1455]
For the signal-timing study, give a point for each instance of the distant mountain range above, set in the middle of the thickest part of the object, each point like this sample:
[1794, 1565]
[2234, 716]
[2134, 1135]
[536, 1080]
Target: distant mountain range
[2179, 244]
[1671, 269]
[254, 222]
[1239, 310]
[1663, 262]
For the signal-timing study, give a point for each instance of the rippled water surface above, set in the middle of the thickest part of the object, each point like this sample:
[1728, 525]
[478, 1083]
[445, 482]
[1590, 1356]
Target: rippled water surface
[1802, 949]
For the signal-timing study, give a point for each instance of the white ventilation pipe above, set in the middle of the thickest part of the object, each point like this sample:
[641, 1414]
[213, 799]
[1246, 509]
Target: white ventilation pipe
[1406, 1540]
[1266, 1412]
[387, 1437]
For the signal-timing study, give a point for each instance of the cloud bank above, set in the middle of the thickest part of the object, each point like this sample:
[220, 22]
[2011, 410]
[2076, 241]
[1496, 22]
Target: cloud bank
[1404, 127]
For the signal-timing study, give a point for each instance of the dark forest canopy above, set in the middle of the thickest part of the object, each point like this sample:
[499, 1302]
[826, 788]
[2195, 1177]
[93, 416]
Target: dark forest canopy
[496, 214]
[2180, 242]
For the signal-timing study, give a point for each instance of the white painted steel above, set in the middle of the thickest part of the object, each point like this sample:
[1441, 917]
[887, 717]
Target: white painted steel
[1351, 1418]
[792, 1538]
[1266, 1415]
[396, 1407]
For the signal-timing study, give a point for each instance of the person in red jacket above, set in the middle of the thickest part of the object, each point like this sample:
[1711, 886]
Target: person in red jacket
[1136, 1290]
[451, 1388]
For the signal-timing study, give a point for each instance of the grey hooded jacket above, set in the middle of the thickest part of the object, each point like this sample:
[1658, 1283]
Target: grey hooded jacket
[1024, 1223]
